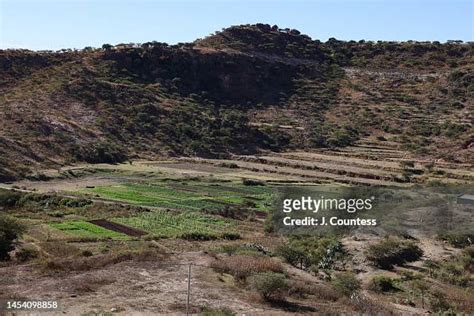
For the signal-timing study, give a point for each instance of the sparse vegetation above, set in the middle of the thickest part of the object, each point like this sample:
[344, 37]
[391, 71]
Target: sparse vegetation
[10, 232]
[382, 284]
[346, 283]
[26, 253]
[459, 240]
[228, 123]
[305, 252]
[243, 266]
[393, 251]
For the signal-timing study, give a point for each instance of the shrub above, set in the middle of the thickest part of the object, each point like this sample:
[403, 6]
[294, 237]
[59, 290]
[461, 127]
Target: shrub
[393, 251]
[453, 273]
[346, 283]
[252, 182]
[231, 165]
[10, 231]
[269, 285]
[245, 251]
[229, 249]
[242, 266]
[100, 152]
[382, 284]
[467, 259]
[87, 253]
[408, 275]
[26, 254]
[9, 198]
[306, 251]
[231, 236]
[438, 302]
[294, 256]
[198, 236]
[458, 240]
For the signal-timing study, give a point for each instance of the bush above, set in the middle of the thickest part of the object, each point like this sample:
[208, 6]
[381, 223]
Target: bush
[306, 251]
[100, 152]
[467, 259]
[382, 284]
[229, 249]
[10, 231]
[438, 302]
[269, 285]
[26, 254]
[87, 253]
[346, 283]
[230, 236]
[242, 266]
[453, 272]
[231, 165]
[9, 198]
[294, 256]
[198, 236]
[252, 182]
[458, 240]
[51, 201]
[393, 251]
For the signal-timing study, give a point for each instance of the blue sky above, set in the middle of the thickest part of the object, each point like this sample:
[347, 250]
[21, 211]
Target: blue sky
[59, 24]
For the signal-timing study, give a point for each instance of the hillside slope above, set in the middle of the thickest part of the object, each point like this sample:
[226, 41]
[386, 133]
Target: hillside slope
[245, 89]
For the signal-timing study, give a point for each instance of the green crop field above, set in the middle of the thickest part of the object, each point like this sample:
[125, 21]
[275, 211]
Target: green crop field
[82, 229]
[190, 195]
[170, 224]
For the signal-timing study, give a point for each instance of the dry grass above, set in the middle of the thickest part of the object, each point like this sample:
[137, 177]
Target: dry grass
[302, 289]
[80, 263]
[59, 249]
[91, 284]
[242, 266]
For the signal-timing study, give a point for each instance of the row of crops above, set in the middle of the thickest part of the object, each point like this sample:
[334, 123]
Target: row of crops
[179, 205]
[170, 224]
[83, 229]
[188, 195]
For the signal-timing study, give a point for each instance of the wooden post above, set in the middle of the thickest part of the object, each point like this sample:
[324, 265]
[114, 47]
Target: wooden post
[189, 289]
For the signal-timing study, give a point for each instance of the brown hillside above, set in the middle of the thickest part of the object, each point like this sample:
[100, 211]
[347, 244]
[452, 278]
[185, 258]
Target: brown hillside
[242, 90]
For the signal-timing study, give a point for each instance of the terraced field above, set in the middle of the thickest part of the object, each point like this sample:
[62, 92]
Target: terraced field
[360, 165]
[187, 195]
[83, 229]
[168, 224]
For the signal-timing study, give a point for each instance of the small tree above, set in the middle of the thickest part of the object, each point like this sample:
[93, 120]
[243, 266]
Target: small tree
[381, 284]
[10, 231]
[107, 47]
[346, 283]
[269, 285]
[295, 256]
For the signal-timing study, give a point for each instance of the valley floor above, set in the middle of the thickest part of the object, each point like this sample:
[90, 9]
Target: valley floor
[202, 212]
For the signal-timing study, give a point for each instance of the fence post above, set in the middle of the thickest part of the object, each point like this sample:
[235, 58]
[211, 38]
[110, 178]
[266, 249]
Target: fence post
[189, 289]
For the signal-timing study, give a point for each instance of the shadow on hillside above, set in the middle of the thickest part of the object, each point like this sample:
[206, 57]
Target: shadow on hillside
[291, 306]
